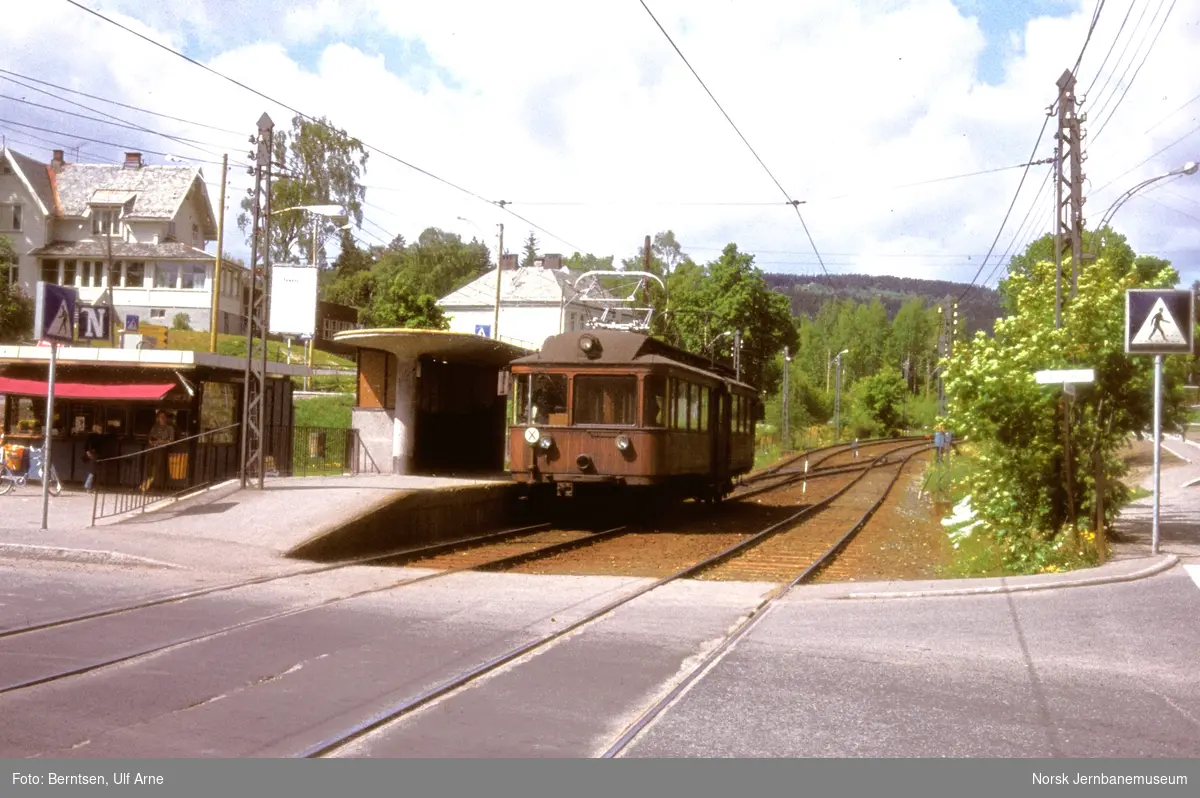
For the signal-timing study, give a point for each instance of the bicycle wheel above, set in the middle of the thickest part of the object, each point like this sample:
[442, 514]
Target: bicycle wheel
[7, 480]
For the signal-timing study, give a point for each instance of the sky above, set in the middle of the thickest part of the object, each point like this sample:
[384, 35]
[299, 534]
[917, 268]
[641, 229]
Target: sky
[587, 122]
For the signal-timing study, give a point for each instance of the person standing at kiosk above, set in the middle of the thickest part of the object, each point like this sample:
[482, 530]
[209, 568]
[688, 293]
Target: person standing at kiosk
[156, 463]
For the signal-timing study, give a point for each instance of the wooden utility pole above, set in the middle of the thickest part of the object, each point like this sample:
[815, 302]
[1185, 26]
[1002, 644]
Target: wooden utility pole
[215, 316]
[784, 444]
[499, 276]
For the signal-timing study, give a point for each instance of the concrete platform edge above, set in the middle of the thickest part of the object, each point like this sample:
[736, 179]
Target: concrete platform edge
[26, 551]
[1166, 563]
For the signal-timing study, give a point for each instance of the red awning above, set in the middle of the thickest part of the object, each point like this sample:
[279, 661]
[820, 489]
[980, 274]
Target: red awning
[84, 390]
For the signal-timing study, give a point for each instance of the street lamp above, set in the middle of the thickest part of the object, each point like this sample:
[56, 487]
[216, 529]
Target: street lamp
[837, 397]
[1188, 168]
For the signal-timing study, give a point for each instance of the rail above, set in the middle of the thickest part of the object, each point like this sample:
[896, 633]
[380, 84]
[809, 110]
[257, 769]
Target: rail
[128, 482]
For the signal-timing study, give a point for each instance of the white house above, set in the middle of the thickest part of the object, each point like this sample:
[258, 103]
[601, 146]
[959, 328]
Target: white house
[536, 302]
[138, 229]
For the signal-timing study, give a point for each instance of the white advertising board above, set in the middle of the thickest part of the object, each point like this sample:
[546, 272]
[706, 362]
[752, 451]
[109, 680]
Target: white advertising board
[293, 300]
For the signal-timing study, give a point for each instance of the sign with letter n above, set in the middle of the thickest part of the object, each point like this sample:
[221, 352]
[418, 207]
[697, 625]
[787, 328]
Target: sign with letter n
[54, 313]
[95, 323]
[1159, 321]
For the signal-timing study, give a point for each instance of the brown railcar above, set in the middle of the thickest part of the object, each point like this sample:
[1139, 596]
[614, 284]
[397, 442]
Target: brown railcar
[605, 407]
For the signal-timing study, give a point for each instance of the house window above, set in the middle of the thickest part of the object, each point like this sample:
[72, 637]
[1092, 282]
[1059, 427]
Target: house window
[333, 326]
[50, 271]
[166, 275]
[106, 221]
[193, 276]
[92, 273]
[10, 218]
[135, 275]
[68, 272]
[158, 313]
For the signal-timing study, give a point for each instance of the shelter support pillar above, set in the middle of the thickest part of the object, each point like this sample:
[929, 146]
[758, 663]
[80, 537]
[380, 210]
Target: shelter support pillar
[404, 425]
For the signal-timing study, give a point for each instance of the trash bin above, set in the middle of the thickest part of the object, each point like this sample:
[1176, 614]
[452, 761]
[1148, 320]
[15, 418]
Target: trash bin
[177, 466]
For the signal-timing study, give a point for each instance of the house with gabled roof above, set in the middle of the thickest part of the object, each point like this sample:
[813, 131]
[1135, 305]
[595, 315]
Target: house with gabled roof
[536, 302]
[137, 229]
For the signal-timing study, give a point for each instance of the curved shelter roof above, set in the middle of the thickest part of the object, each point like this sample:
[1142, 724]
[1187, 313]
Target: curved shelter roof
[452, 347]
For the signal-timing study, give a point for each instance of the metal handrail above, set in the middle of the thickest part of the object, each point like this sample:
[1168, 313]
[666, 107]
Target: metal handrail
[141, 452]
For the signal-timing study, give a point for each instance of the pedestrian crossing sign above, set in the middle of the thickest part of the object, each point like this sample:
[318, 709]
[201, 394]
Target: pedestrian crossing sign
[54, 313]
[1159, 322]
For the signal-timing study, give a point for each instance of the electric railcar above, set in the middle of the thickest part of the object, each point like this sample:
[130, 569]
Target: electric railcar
[620, 409]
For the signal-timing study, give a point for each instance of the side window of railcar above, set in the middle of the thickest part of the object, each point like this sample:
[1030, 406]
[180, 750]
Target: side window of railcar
[702, 407]
[735, 413]
[549, 399]
[654, 391]
[679, 403]
[606, 399]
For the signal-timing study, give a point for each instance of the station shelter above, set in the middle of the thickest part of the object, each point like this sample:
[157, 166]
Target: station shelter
[431, 401]
[122, 391]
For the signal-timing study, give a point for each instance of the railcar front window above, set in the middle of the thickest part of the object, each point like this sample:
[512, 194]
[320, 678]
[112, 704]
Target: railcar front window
[606, 400]
[549, 401]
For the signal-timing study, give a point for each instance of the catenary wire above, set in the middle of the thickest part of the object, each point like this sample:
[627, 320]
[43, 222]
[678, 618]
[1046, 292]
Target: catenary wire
[1136, 72]
[1112, 45]
[111, 144]
[794, 203]
[502, 204]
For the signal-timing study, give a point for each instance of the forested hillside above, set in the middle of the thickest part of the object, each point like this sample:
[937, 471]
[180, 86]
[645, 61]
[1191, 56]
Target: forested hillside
[978, 310]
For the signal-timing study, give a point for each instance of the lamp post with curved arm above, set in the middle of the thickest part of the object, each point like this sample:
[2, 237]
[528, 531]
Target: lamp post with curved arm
[1188, 168]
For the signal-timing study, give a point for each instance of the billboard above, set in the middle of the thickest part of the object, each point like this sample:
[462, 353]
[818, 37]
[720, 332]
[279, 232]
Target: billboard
[293, 301]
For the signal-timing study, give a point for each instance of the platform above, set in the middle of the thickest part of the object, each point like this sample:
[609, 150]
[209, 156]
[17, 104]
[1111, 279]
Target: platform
[291, 518]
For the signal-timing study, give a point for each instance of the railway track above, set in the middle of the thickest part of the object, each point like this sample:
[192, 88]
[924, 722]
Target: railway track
[400, 710]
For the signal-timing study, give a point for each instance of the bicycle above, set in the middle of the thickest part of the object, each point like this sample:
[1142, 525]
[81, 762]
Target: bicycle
[10, 479]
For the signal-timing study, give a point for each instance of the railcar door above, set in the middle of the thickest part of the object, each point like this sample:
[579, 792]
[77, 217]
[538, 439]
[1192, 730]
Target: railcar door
[719, 428]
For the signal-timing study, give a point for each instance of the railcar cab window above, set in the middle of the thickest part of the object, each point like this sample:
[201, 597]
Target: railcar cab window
[549, 399]
[606, 399]
[654, 391]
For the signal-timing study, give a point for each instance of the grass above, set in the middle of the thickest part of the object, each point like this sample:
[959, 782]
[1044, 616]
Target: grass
[1138, 492]
[235, 345]
[324, 411]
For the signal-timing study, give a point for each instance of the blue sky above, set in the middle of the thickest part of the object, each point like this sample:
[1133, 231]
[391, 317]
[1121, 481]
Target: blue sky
[999, 20]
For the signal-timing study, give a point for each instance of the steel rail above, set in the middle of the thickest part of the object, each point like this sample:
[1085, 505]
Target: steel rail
[407, 706]
[419, 551]
[790, 478]
[752, 620]
[508, 561]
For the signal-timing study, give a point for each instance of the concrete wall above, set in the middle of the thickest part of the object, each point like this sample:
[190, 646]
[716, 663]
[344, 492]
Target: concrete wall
[407, 519]
[375, 430]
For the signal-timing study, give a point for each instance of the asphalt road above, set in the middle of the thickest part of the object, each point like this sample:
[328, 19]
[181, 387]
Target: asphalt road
[1100, 671]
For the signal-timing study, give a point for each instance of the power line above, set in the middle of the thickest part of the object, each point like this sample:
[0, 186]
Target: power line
[109, 143]
[124, 105]
[1168, 116]
[1021, 228]
[500, 204]
[732, 203]
[1024, 174]
[794, 203]
[1124, 49]
[1177, 141]
[1129, 85]
[1088, 38]
[191, 142]
[1111, 46]
[51, 142]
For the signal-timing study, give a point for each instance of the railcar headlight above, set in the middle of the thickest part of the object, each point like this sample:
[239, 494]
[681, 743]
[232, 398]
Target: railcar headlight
[532, 436]
[546, 442]
[622, 442]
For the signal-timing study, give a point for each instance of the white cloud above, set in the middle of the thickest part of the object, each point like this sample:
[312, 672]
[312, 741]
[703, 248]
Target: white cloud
[588, 104]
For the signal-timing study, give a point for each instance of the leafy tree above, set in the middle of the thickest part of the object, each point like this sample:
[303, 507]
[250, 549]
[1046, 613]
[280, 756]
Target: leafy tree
[588, 263]
[731, 294]
[181, 321]
[16, 308]
[323, 166]
[1019, 490]
[668, 251]
[530, 249]
[399, 304]
[878, 404]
